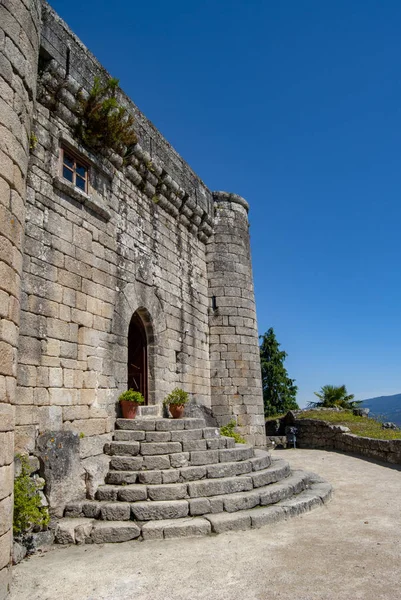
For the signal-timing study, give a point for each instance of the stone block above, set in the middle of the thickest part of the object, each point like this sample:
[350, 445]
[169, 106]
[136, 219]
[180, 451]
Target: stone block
[128, 436]
[106, 533]
[7, 416]
[118, 511]
[6, 541]
[24, 439]
[229, 522]
[156, 462]
[187, 528]
[19, 553]
[122, 477]
[179, 460]
[87, 427]
[194, 445]
[171, 476]
[153, 530]
[199, 506]
[186, 435]
[61, 468]
[50, 418]
[6, 481]
[173, 491]
[95, 469]
[132, 493]
[136, 424]
[150, 477]
[6, 514]
[160, 448]
[160, 436]
[152, 511]
[7, 448]
[126, 463]
[192, 473]
[205, 458]
[169, 424]
[123, 448]
[92, 446]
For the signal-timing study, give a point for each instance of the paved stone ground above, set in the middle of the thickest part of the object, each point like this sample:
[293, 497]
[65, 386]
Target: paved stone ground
[347, 550]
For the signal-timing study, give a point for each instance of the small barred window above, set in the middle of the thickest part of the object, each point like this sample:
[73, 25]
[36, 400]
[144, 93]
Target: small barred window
[74, 170]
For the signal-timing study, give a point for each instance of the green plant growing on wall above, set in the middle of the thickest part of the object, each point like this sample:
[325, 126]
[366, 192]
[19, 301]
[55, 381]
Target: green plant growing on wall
[28, 510]
[103, 122]
[33, 142]
[228, 431]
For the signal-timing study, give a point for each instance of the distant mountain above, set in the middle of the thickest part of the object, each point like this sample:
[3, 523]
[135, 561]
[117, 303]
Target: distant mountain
[388, 408]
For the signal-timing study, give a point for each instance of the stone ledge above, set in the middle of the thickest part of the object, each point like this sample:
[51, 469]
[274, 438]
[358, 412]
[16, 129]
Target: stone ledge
[94, 203]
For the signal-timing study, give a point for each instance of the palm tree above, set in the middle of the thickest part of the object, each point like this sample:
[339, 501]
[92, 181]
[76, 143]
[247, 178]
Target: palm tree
[331, 396]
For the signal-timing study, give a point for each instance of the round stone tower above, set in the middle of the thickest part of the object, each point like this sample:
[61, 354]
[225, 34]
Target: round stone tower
[236, 386]
[19, 51]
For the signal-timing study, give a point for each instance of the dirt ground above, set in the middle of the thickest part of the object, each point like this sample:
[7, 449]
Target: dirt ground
[347, 550]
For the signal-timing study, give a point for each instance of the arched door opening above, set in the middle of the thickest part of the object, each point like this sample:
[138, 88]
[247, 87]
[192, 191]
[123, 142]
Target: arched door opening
[138, 356]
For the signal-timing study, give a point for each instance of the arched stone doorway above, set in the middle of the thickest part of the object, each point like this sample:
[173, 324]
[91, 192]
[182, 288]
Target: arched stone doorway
[138, 356]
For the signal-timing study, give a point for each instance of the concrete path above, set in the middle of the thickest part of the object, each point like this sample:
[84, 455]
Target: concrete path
[347, 550]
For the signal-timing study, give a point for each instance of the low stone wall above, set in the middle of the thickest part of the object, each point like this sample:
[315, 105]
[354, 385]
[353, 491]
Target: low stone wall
[321, 434]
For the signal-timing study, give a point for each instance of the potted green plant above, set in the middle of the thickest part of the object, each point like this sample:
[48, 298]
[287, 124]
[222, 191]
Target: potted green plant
[176, 401]
[129, 402]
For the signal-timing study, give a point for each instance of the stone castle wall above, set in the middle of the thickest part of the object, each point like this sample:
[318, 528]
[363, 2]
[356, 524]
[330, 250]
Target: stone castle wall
[147, 237]
[234, 349]
[19, 46]
[321, 434]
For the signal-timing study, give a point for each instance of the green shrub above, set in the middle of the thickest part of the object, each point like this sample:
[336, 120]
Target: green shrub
[228, 431]
[362, 426]
[177, 397]
[28, 511]
[132, 396]
[104, 123]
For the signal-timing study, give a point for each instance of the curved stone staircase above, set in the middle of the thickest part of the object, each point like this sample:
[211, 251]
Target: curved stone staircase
[177, 477]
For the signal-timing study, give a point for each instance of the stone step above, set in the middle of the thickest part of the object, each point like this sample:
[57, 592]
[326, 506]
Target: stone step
[196, 498]
[177, 523]
[186, 527]
[157, 469]
[202, 438]
[315, 496]
[166, 455]
[122, 448]
[197, 488]
[150, 424]
[88, 531]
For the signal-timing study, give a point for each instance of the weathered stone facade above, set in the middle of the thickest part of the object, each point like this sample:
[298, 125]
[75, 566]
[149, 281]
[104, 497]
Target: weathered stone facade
[146, 238]
[19, 47]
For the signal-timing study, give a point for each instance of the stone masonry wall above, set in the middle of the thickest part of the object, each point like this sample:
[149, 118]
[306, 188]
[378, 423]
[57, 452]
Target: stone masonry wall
[135, 242]
[19, 41]
[234, 350]
[320, 434]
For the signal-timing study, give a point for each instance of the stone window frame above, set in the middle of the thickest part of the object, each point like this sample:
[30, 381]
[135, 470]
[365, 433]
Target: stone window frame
[88, 198]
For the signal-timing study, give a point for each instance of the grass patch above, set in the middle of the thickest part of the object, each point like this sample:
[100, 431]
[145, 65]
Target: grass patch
[362, 426]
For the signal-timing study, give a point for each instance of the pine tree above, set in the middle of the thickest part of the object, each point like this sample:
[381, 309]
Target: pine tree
[279, 391]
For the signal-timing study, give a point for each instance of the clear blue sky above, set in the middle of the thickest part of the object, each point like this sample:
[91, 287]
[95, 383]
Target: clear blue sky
[295, 105]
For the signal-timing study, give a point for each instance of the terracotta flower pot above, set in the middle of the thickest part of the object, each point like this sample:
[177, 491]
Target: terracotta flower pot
[129, 409]
[176, 410]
